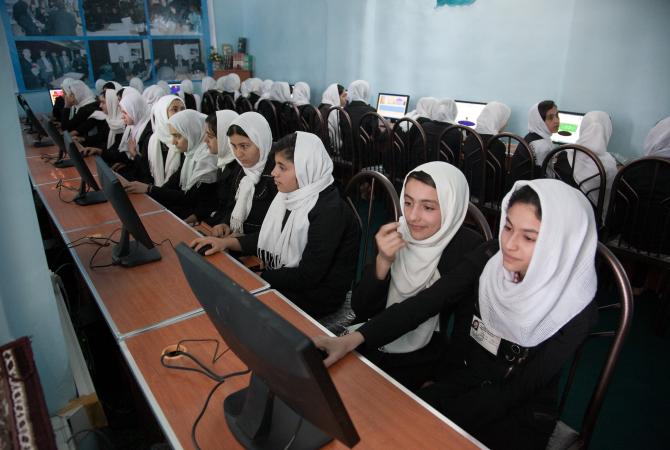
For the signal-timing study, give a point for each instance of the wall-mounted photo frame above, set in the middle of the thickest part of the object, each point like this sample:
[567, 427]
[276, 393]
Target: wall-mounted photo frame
[44, 64]
[178, 59]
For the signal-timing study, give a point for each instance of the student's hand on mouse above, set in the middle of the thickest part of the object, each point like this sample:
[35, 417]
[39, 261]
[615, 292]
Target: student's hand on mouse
[218, 245]
[338, 347]
[136, 187]
[389, 241]
[221, 230]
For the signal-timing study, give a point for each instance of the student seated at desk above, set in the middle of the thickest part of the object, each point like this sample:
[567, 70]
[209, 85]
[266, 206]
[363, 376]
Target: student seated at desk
[164, 157]
[134, 161]
[543, 120]
[522, 312]
[231, 85]
[218, 144]
[191, 100]
[438, 116]
[358, 94]
[189, 192]
[252, 188]
[309, 239]
[301, 94]
[251, 89]
[83, 102]
[109, 104]
[334, 95]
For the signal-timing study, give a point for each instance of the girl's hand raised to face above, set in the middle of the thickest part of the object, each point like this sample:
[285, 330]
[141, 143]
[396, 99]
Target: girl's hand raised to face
[389, 242]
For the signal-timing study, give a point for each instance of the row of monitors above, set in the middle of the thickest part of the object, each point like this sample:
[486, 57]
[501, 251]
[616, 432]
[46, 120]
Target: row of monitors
[394, 107]
[55, 93]
[293, 395]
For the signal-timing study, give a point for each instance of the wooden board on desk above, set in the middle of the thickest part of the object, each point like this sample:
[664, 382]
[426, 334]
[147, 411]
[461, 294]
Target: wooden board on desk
[384, 415]
[70, 216]
[135, 298]
[43, 171]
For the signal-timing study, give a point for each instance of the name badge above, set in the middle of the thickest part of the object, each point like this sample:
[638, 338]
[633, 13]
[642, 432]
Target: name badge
[483, 336]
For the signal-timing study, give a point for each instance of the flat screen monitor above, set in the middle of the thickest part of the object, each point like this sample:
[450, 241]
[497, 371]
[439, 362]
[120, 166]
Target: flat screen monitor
[54, 94]
[568, 130]
[84, 197]
[468, 112]
[55, 139]
[291, 400]
[127, 252]
[175, 88]
[392, 106]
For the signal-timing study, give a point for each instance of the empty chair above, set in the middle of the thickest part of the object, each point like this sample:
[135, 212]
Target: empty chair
[267, 109]
[311, 120]
[409, 148]
[340, 143]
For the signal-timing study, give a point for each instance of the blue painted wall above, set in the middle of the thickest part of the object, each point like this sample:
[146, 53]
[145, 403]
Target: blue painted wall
[586, 55]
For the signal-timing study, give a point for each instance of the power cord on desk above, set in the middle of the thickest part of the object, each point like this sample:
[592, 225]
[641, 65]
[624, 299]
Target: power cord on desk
[220, 379]
[60, 186]
[158, 244]
[107, 242]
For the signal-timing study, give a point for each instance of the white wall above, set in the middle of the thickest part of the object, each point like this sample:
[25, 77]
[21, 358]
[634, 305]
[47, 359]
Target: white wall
[586, 55]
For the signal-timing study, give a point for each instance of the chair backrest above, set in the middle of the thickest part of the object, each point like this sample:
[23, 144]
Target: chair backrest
[243, 105]
[267, 109]
[606, 262]
[288, 119]
[225, 101]
[476, 220]
[471, 164]
[560, 164]
[209, 102]
[311, 121]
[373, 150]
[409, 148]
[502, 170]
[375, 202]
[638, 217]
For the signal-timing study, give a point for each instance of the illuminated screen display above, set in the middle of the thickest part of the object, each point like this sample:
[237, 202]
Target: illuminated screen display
[568, 130]
[468, 112]
[392, 106]
[54, 94]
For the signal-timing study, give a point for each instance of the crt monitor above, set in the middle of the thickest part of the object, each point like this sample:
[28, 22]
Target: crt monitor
[568, 130]
[175, 88]
[54, 94]
[84, 197]
[127, 252]
[291, 400]
[468, 112]
[392, 106]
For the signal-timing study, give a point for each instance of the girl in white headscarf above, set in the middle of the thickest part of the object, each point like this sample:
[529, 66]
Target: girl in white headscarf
[424, 108]
[152, 94]
[99, 83]
[533, 308]
[82, 101]
[189, 192]
[166, 87]
[334, 95]
[137, 84]
[657, 142]
[208, 83]
[191, 100]
[308, 241]
[359, 91]
[164, 157]
[594, 133]
[280, 92]
[252, 89]
[445, 111]
[217, 141]
[231, 85]
[543, 121]
[358, 94]
[301, 94]
[111, 114]
[265, 92]
[135, 140]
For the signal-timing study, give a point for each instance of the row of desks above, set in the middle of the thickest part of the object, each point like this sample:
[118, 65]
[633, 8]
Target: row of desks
[149, 308]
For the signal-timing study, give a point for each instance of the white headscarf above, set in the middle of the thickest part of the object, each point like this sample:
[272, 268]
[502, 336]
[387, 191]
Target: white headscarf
[561, 277]
[99, 83]
[65, 85]
[282, 247]
[152, 94]
[537, 125]
[208, 83]
[594, 133]
[301, 93]
[138, 110]
[493, 118]
[82, 93]
[280, 92]
[657, 142]
[223, 120]
[424, 108]
[331, 96]
[415, 266]
[186, 87]
[199, 165]
[117, 85]
[359, 90]
[166, 87]
[114, 120]
[265, 91]
[161, 171]
[137, 84]
[220, 83]
[231, 83]
[251, 85]
[258, 130]
[445, 111]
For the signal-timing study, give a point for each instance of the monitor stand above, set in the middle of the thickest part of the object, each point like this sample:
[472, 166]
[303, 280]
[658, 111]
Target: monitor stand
[43, 143]
[259, 420]
[63, 163]
[130, 253]
[85, 198]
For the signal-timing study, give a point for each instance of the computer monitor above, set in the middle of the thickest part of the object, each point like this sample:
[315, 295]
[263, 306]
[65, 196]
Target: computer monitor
[57, 139]
[392, 106]
[468, 112]
[568, 130]
[291, 397]
[54, 94]
[84, 197]
[127, 253]
[175, 88]
[35, 127]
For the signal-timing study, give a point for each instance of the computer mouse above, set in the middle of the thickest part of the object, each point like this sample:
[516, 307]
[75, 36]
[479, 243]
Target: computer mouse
[204, 248]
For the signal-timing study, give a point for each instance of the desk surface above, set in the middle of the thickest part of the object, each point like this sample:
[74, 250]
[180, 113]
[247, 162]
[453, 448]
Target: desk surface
[70, 216]
[384, 415]
[137, 298]
[42, 171]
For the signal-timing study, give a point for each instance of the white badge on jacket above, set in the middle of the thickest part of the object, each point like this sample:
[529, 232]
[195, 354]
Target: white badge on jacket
[483, 336]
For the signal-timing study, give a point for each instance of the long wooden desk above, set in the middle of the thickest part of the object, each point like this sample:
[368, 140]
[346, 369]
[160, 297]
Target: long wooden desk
[385, 414]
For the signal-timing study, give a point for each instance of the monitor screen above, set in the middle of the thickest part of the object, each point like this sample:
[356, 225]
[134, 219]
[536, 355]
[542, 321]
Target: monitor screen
[568, 130]
[54, 94]
[468, 112]
[284, 362]
[175, 88]
[126, 253]
[392, 106]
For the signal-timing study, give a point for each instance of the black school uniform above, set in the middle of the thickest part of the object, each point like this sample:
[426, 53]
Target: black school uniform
[327, 267]
[503, 404]
[94, 132]
[82, 115]
[265, 192]
[138, 169]
[369, 299]
[224, 191]
[356, 110]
